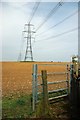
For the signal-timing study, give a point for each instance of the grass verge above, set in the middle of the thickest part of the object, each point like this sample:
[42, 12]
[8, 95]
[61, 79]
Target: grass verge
[20, 107]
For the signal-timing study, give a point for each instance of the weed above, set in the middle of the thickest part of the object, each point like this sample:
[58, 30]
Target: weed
[20, 102]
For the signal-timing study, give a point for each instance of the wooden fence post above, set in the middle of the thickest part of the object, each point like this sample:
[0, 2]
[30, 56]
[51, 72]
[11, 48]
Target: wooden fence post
[72, 86]
[68, 91]
[74, 93]
[45, 92]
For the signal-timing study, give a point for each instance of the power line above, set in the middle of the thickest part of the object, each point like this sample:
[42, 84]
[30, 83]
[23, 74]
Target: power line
[50, 14]
[66, 18]
[34, 10]
[58, 35]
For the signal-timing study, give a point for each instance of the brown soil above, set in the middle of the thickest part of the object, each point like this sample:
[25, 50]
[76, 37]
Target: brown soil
[17, 76]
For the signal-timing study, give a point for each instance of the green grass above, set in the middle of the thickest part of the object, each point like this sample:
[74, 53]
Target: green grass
[21, 107]
[17, 107]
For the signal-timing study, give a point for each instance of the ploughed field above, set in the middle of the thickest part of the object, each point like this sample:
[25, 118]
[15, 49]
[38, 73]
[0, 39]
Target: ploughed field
[17, 76]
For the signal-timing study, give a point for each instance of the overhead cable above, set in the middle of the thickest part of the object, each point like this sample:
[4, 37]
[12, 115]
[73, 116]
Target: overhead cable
[34, 10]
[58, 35]
[66, 18]
[53, 11]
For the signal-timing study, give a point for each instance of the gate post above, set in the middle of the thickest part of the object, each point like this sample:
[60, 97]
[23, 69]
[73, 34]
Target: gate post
[74, 94]
[67, 77]
[34, 86]
[72, 85]
[45, 92]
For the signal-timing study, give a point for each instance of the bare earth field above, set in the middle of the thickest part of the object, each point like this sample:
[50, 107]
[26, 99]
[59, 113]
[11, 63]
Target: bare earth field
[17, 76]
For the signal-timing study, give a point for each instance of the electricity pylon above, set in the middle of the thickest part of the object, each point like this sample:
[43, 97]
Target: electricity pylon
[28, 53]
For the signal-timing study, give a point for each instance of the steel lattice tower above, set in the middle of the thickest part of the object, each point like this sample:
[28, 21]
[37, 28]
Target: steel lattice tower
[29, 54]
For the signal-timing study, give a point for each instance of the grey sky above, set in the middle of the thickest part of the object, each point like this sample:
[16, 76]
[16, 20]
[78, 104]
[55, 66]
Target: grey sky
[61, 48]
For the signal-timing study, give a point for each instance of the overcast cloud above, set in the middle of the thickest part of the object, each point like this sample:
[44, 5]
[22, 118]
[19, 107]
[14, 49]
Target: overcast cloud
[61, 48]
